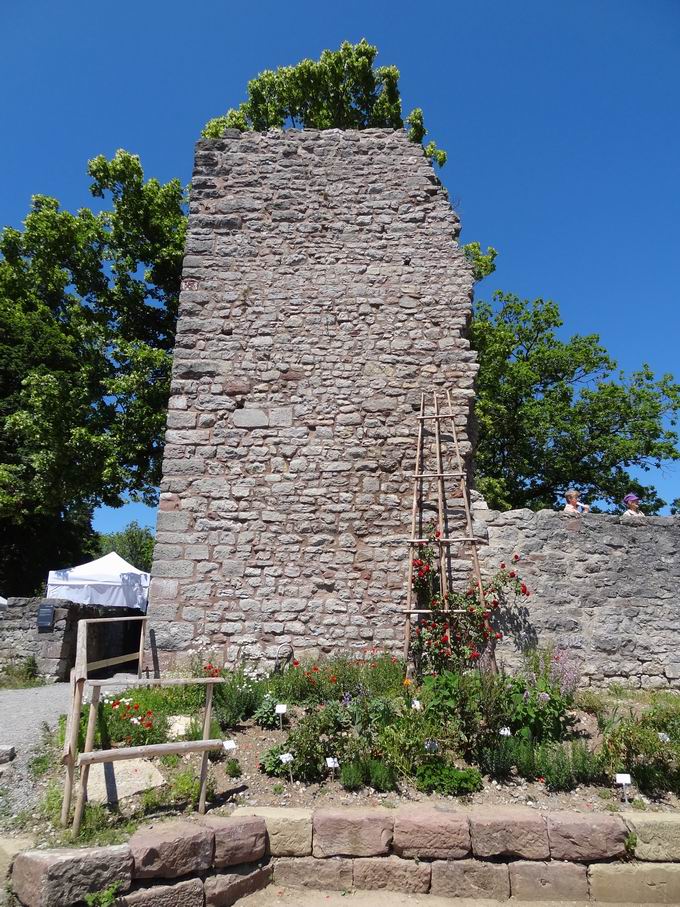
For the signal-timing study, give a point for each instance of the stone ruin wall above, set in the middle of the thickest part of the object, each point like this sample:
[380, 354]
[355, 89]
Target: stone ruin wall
[603, 587]
[323, 291]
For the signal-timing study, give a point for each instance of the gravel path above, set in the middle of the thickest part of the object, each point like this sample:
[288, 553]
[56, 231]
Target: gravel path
[23, 713]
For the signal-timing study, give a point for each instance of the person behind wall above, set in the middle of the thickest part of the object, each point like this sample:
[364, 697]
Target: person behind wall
[632, 504]
[573, 504]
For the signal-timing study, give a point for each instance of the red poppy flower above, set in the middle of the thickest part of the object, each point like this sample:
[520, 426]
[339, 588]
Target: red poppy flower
[502, 566]
[296, 663]
[515, 557]
[333, 678]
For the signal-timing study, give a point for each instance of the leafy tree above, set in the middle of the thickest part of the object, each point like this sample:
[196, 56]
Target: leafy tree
[88, 305]
[554, 413]
[134, 544]
[340, 90]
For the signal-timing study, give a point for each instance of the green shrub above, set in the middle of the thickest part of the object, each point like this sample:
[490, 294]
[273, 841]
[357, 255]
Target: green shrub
[41, 764]
[525, 759]
[586, 766]
[555, 767]
[236, 700]
[352, 775]
[233, 768]
[107, 897]
[636, 745]
[195, 729]
[497, 758]
[320, 734]
[265, 714]
[308, 682]
[403, 744]
[185, 788]
[381, 775]
[472, 707]
[20, 673]
[443, 778]
[590, 702]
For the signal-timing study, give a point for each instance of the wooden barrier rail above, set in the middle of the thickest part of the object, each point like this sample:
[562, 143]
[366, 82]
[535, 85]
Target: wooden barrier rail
[91, 756]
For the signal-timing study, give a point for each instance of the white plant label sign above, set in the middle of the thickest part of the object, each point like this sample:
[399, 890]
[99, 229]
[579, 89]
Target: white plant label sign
[281, 709]
[228, 745]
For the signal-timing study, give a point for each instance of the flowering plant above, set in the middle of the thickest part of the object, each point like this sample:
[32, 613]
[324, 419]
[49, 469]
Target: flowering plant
[461, 625]
[125, 721]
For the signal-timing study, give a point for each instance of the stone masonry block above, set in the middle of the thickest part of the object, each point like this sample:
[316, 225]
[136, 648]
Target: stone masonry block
[171, 849]
[552, 881]
[431, 834]
[509, 833]
[635, 883]
[334, 874]
[470, 879]
[352, 832]
[237, 839]
[585, 838]
[392, 873]
[225, 888]
[658, 836]
[187, 893]
[251, 418]
[57, 878]
[289, 831]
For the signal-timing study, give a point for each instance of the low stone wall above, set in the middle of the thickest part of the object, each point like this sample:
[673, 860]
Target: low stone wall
[55, 649]
[518, 853]
[603, 587]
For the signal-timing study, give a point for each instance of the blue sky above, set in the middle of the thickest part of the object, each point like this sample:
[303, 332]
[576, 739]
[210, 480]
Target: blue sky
[560, 119]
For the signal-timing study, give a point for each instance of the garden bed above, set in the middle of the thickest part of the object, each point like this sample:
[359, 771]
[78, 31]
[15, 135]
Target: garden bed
[530, 739]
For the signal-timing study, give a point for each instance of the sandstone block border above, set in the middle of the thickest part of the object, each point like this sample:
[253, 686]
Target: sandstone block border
[216, 860]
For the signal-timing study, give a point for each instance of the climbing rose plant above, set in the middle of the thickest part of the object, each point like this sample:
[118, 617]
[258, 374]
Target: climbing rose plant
[445, 640]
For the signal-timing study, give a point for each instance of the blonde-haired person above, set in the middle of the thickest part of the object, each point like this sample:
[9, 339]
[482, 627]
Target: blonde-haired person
[573, 504]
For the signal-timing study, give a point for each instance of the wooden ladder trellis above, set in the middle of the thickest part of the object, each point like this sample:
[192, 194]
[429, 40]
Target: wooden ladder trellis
[459, 475]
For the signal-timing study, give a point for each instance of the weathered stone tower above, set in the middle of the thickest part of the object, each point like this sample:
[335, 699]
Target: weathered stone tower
[323, 291]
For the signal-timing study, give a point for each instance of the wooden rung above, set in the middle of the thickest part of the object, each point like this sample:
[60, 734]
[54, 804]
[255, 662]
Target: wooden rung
[438, 475]
[153, 749]
[441, 541]
[432, 610]
[430, 418]
[157, 682]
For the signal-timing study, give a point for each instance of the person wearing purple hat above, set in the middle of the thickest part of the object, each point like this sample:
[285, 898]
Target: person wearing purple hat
[632, 503]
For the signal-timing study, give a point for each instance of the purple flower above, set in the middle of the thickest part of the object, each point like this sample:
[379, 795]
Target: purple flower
[431, 746]
[543, 698]
[346, 698]
[526, 695]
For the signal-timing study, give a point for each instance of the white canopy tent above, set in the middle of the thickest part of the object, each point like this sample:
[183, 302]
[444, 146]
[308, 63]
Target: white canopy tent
[109, 580]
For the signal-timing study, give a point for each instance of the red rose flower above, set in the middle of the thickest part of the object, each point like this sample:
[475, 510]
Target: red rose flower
[502, 566]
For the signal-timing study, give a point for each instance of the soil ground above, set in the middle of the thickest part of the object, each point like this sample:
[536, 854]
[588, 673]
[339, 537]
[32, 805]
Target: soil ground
[254, 788]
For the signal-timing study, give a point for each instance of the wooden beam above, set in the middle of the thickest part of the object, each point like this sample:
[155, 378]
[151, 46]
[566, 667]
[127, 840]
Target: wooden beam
[158, 682]
[85, 769]
[109, 620]
[147, 752]
[109, 662]
[203, 785]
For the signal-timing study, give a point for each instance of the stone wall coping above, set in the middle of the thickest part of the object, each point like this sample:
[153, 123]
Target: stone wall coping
[474, 853]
